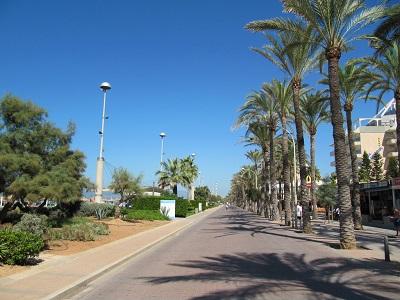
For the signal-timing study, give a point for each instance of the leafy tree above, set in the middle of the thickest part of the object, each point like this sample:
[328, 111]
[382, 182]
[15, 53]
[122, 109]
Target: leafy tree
[36, 162]
[365, 169]
[327, 194]
[393, 168]
[377, 167]
[202, 193]
[126, 184]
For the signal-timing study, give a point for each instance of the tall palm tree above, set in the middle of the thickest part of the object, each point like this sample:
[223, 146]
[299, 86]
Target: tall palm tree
[259, 107]
[315, 111]
[388, 30]
[386, 78]
[335, 24]
[189, 172]
[295, 56]
[352, 80]
[255, 156]
[170, 175]
[281, 93]
[257, 134]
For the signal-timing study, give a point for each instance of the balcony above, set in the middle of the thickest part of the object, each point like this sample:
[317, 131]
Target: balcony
[391, 154]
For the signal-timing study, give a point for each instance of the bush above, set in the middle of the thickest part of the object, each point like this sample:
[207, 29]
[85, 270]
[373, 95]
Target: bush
[98, 210]
[13, 216]
[35, 224]
[79, 229]
[16, 247]
[150, 203]
[181, 208]
[195, 204]
[150, 215]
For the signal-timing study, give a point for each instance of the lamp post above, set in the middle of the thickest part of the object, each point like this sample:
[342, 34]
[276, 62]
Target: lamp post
[162, 136]
[105, 86]
[191, 192]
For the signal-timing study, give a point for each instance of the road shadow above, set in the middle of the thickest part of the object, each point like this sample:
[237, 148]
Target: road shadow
[271, 275]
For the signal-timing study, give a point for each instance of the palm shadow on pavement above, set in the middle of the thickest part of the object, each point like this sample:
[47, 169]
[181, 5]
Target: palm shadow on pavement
[286, 275]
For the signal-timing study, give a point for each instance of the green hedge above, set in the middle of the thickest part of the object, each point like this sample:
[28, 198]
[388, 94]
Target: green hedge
[195, 204]
[153, 203]
[149, 215]
[181, 208]
[16, 247]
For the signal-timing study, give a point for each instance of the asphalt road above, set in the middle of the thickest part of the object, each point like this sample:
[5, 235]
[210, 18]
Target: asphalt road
[236, 255]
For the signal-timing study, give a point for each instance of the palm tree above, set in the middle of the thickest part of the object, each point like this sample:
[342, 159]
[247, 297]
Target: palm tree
[335, 24]
[281, 93]
[189, 172]
[257, 134]
[352, 80]
[259, 107]
[388, 30]
[295, 56]
[170, 174]
[315, 112]
[386, 78]
[255, 156]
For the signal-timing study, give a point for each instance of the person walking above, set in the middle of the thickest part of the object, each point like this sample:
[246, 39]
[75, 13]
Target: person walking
[299, 214]
[396, 221]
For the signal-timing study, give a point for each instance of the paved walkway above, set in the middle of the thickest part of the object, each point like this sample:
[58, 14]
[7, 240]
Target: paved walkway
[234, 254]
[56, 277]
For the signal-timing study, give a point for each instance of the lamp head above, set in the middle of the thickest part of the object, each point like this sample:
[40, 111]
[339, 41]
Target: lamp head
[105, 86]
[162, 135]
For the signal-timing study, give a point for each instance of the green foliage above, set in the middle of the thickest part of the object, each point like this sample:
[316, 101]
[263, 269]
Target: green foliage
[365, 169]
[98, 210]
[177, 171]
[181, 208]
[149, 215]
[327, 193]
[393, 168]
[195, 204]
[126, 184]
[79, 229]
[16, 247]
[150, 202]
[377, 167]
[202, 193]
[36, 162]
[35, 224]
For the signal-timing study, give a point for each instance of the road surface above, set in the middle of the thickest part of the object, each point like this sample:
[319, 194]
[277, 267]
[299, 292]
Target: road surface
[233, 254]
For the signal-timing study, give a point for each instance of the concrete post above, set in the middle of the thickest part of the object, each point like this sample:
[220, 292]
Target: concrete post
[99, 180]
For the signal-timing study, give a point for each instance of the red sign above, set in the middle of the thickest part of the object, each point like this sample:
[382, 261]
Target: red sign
[396, 181]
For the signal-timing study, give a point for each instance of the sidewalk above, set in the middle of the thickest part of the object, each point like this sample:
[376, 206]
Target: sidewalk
[59, 276]
[370, 238]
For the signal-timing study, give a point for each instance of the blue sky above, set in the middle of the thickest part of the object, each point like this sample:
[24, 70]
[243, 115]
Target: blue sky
[182, 67]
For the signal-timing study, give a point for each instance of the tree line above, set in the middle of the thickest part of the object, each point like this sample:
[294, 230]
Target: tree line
[313, 37]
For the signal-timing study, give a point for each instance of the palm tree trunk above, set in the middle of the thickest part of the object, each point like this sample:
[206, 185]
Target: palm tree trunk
[272, 171]
[312, 156]
[175, 190]
[347, 237]
[304, 199]
[286, 173]
[397, 98]
[354, 172]
[266, 181]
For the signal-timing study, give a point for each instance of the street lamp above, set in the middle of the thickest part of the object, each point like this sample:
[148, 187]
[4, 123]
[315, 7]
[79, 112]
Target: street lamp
[162, 136]
[191, 191]
[105, 86]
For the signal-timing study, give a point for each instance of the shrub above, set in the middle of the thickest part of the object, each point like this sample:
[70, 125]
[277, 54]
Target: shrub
[181, 208]
[150, 215]
[35, 224]
[150, 203]
[195, 204]
[79, 229]
[16, 247]
[13, 216]
[98, 210]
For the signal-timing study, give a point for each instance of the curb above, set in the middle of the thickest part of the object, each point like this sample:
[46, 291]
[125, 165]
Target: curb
[71, 289]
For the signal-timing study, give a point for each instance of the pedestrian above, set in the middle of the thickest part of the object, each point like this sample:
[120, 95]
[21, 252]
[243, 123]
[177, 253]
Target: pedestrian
[226, 205]
[396, 221]
[299, 213]
[337, 213]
